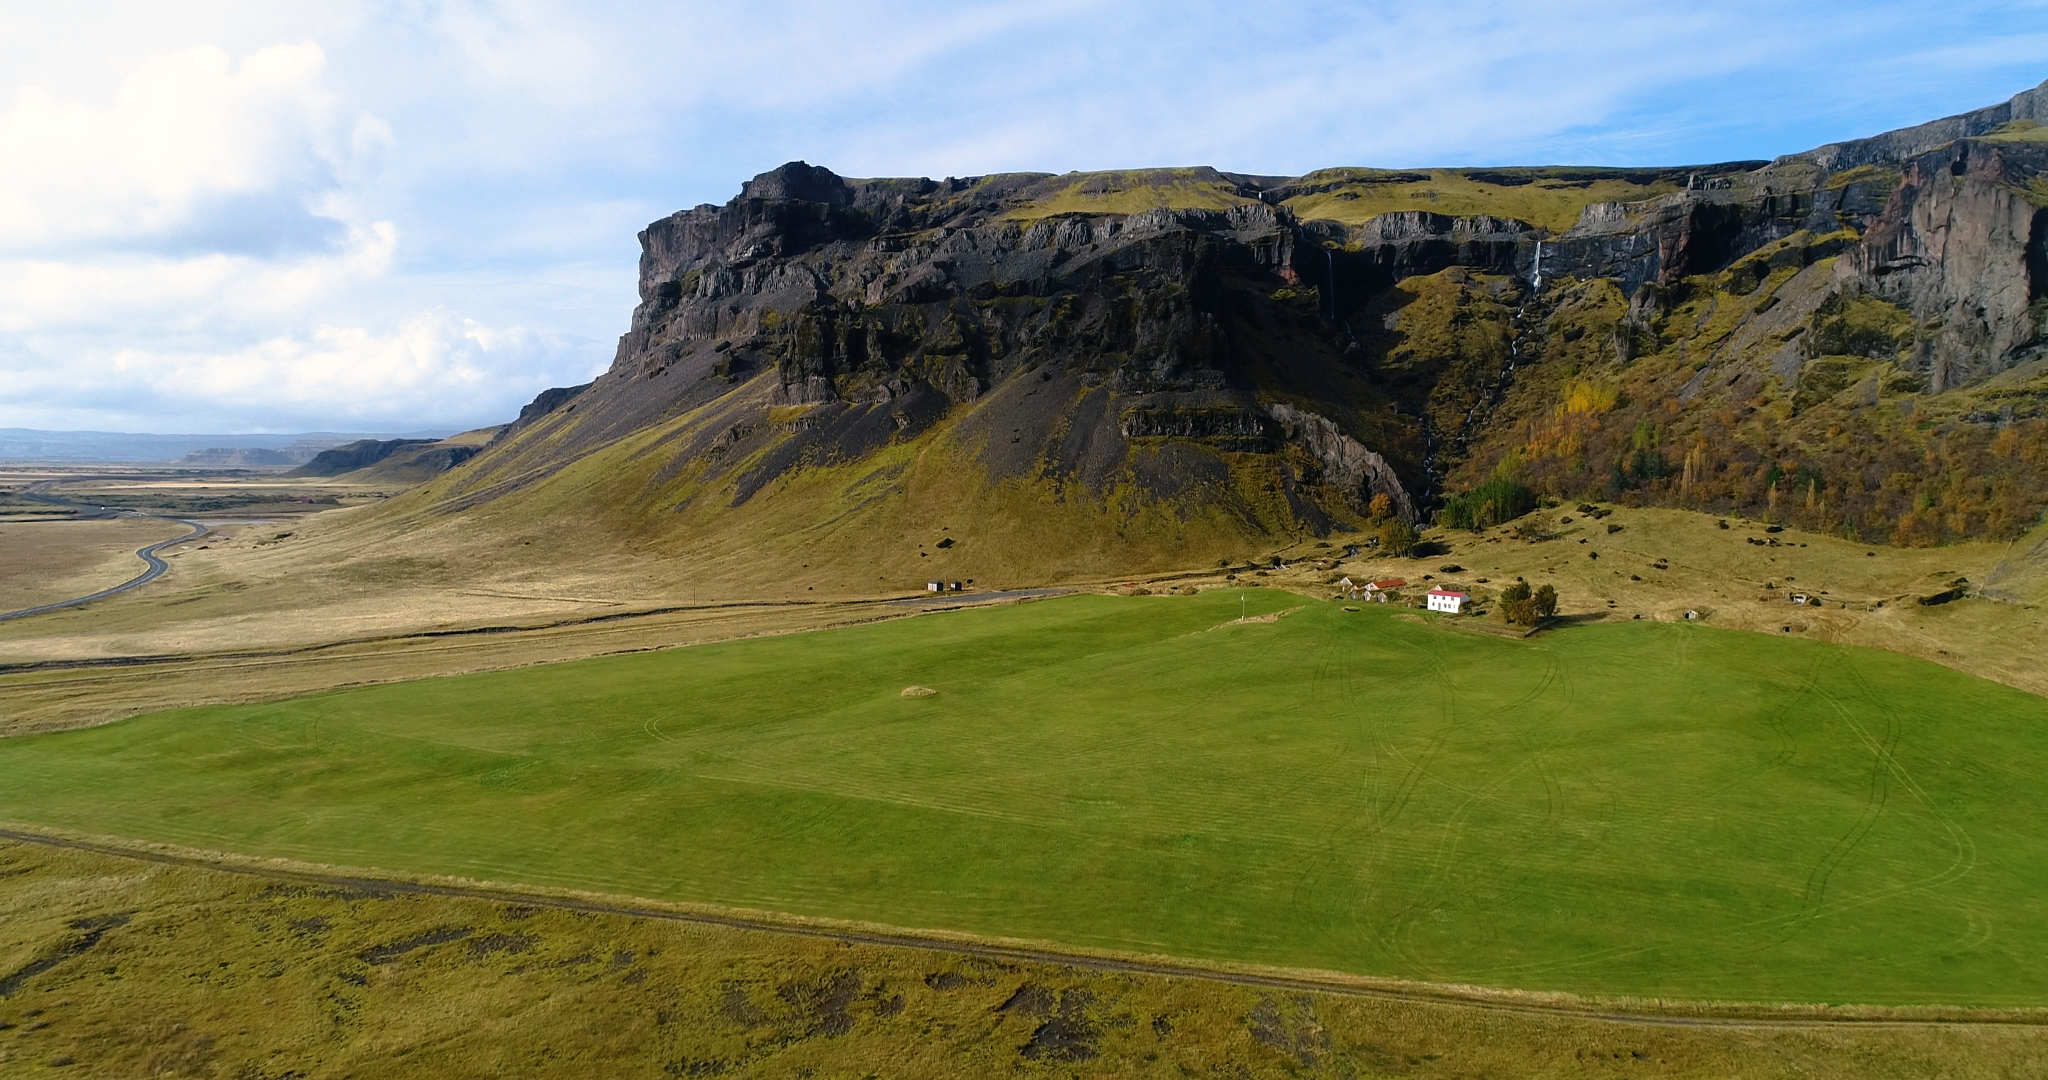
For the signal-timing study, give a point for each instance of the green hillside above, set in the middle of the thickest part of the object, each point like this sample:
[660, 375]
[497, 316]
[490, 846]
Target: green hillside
[1630, 809]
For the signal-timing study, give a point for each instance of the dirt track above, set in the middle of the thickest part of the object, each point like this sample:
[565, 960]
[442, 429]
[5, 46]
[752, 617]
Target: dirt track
[1671, 1015]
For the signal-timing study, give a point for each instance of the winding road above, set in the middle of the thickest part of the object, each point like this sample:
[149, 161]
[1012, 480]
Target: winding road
[154, 569]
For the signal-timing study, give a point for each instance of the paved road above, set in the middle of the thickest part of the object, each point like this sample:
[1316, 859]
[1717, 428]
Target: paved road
[154, 567]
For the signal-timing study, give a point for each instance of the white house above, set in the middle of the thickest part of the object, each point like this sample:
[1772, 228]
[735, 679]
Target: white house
[1448, 602]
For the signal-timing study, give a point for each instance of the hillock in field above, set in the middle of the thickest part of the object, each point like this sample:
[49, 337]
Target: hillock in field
[1626, 809]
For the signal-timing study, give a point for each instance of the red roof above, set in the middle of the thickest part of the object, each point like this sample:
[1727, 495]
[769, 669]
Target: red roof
[1389, 583]
[1449, 592]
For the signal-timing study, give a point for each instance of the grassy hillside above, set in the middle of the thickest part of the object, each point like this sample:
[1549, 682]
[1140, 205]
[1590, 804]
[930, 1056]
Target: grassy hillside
[1766, 391]
[1635, 809]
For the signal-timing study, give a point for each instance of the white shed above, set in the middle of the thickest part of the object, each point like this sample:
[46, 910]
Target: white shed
[1448, 601]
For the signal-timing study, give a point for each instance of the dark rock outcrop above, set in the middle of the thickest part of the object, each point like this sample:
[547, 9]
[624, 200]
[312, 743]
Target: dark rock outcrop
[549, 400]
[360, 454]
[229, 457]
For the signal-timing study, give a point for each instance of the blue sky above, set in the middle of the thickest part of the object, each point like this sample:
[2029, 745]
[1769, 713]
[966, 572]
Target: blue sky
[228, 216]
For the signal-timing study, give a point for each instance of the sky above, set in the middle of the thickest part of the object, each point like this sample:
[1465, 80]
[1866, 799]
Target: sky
[223, 216]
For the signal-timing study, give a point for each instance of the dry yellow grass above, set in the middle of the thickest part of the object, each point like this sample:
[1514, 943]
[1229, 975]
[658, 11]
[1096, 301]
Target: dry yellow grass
[249, 591]
[42, 562]
[1868, 594]
[114, 967]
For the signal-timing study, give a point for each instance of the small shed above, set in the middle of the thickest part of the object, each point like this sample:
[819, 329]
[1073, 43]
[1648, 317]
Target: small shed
[935, 586]
[953, 586]
[1448, 601]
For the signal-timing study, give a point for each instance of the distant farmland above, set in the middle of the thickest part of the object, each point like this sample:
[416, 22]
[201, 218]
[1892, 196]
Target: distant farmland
[1631, 809]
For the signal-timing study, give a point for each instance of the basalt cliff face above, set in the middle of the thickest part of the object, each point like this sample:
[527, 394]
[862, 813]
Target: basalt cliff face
[1166, 366]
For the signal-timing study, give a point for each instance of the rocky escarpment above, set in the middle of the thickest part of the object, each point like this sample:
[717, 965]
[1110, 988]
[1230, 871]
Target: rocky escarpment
[1963, 245]
[356, 455]
[1069, 348]
[1257, 356]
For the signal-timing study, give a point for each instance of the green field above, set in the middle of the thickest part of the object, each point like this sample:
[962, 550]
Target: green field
[1634, 808]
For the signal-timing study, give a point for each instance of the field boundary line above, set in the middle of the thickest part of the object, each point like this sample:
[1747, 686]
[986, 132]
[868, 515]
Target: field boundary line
[1638, 1012]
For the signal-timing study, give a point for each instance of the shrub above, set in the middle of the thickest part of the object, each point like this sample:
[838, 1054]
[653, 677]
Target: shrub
[1396, 537]
[1491, 503]
[1517, 606]
[1545, 600]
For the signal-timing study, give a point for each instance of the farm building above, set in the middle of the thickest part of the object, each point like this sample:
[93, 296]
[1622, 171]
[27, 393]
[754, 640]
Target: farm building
[935, 586]
[1448, 601]
[1373, 590]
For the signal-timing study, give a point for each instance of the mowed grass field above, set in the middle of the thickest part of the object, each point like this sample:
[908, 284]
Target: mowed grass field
[1615, 809]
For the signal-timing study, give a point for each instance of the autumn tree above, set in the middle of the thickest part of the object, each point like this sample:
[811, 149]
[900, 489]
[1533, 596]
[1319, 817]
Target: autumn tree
[1517, 606]
[1397, 537]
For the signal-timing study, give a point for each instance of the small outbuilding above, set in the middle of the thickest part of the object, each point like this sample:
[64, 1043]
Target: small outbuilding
[1448, 601]
[935, 586]
[1373, 590]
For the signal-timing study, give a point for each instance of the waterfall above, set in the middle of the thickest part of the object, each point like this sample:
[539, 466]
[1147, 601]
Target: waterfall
[1330, 278]
[1538, 283]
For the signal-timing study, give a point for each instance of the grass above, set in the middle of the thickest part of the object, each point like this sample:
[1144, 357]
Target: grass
[226, 975]
[1633, 809]
[42, 562]
[1553, 204]
[1134, 192]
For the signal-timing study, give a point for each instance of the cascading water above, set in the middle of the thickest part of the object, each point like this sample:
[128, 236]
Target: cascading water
[1330, 279]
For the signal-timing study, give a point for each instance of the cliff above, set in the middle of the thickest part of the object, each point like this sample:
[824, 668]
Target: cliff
[1173, 365]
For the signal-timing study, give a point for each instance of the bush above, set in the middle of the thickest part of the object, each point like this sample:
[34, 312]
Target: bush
[1491, 503]
[1516, 606]
[1397, 538]
[1521, 607]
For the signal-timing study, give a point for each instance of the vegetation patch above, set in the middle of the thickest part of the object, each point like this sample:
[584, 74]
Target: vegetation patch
[1672, 811]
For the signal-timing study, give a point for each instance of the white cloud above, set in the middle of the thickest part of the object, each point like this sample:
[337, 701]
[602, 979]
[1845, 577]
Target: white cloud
[326, 377]
[189, 142]
[329, 212]
[219, 289]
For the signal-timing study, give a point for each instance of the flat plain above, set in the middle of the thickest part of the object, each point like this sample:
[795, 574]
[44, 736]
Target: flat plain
[1627, 809]
[43, 562]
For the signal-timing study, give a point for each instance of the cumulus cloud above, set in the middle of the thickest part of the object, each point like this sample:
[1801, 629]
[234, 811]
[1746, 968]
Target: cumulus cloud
[326, 377]
[181, 249]
[193, 151]
[341, 212]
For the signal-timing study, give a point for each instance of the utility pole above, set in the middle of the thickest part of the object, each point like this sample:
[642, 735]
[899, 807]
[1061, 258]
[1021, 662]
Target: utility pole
[1240, 607]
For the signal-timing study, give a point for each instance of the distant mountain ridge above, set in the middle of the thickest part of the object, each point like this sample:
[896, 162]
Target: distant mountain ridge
[1154, 368]
[127, 448]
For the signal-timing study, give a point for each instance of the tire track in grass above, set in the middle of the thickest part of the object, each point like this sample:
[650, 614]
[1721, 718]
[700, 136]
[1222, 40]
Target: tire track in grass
[1877, 791]
[1886, 756]
[1807, 684]
[1963, 862]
